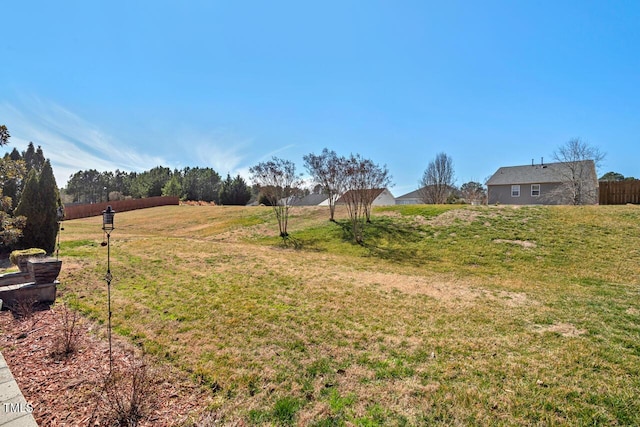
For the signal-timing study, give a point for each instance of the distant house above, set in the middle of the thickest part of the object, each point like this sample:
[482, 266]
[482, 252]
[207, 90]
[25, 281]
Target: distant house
[412, 198]
[313, 199]
[544, 184]
[419, 196]
[381, 197]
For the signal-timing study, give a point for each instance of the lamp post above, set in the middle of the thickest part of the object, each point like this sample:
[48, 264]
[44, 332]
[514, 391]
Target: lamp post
[60, 217]
[107, 227]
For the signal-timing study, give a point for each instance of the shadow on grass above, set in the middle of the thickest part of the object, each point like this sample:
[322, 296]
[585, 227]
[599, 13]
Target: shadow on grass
[289, 241]
[389, 239]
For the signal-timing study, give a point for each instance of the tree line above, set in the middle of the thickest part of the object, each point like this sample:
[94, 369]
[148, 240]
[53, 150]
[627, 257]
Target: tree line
[30, 205]
[190, 183]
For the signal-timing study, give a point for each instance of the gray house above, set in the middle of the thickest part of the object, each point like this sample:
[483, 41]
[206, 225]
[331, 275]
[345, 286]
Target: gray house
[412, 198]
[564, 183]
[313, 199]
[421, 195]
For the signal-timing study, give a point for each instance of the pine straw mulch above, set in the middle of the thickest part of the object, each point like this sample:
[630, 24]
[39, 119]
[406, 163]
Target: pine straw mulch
[70, 391]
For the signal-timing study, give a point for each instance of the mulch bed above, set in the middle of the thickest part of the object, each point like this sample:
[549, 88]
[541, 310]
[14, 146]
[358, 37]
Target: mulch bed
[70, 390]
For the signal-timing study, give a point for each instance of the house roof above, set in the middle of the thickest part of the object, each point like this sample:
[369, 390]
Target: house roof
[420, 193]
[375, 192]
[537, 174]
[415, 194]
[310, 200]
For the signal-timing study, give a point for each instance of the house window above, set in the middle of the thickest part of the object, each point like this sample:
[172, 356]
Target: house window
[515, 191]
[535, 190]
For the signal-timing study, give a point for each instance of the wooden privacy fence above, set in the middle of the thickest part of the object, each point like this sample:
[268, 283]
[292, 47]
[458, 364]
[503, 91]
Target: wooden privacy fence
[619, 192]
[94, 209]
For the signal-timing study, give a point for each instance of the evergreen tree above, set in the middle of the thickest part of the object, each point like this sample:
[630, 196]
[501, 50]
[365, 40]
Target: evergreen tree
[234, 191]
[210, 185]
[33, 159]
[11, 172]
[158, 177]
[122, 182]
[224, 195]
[200, 184]
[31, 207]
[15, 154]
[241, 191]
[173, 186]
[39, 204]
[151, 182]
[50, 197]
[39, 159]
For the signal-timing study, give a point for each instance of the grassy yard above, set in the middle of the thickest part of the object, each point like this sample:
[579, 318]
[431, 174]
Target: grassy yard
[450, 315]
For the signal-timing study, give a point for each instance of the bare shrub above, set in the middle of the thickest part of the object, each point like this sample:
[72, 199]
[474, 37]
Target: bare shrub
[67, 333]
[128, 394]
[24, 308]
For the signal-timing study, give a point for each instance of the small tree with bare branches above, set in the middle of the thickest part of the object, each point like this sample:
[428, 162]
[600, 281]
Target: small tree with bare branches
[578, 163]
[362, 178]
[327, 170]
[438, 180]
[279, 184]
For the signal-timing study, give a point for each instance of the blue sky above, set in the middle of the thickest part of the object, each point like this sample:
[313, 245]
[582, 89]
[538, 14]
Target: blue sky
[132, 85]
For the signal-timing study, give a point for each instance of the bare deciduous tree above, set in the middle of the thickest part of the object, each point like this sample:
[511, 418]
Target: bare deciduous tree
[279, 184]
[578, 161]
[327, 170]
[363, 178]
[438, 180]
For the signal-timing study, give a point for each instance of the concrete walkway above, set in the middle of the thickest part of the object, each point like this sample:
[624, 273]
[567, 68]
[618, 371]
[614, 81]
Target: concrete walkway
[14, 409]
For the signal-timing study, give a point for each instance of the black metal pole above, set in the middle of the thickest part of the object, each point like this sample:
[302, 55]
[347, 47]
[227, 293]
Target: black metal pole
[58, 247]
[108, 278]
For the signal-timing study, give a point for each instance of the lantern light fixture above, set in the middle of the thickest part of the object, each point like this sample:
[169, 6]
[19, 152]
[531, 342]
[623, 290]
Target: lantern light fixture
[107, 226]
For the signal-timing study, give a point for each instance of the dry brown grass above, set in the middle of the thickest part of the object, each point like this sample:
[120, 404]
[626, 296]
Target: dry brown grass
[564, 329]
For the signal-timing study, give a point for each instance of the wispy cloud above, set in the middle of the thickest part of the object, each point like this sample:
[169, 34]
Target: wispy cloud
[276, 151]
[69, 141]
[222, 150]
[227, 152]
[73, 143]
